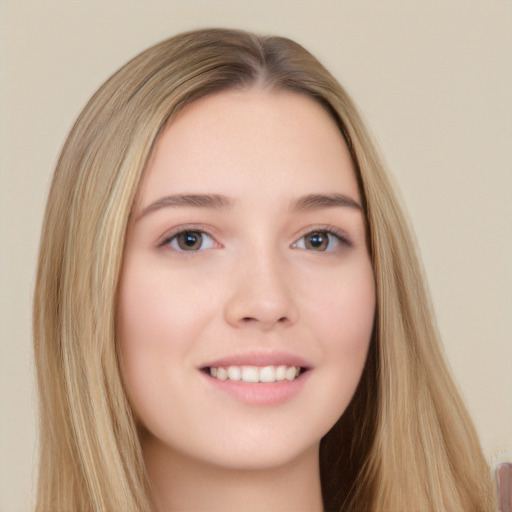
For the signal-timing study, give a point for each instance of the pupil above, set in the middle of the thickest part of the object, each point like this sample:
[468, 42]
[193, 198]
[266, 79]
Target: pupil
[190, 240]
[318, 241]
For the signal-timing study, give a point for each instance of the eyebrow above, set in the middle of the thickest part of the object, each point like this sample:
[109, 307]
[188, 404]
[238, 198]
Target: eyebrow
[191, 200]
[218, 201]
[317, 201]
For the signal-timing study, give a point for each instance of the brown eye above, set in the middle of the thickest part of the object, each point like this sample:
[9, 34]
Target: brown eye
[322, 241]
[190, 241]
[317, 241]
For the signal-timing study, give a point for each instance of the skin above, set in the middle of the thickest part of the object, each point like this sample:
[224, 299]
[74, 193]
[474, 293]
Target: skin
[257, 284]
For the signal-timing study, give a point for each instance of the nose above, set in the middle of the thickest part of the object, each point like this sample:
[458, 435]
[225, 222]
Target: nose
[261, 295]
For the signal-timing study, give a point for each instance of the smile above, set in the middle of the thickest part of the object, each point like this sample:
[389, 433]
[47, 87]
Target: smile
[255, 374]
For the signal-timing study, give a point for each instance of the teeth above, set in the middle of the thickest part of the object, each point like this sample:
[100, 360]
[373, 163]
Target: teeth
[222, 373]
[234, 373]
[250, 374]
[255, 373]
[267, 374]
[291, 373]
[281, 372]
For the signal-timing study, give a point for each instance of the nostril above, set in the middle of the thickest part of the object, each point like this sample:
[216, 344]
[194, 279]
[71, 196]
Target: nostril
[250, 319]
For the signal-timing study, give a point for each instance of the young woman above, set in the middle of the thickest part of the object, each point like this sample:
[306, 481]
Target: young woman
[229, 311]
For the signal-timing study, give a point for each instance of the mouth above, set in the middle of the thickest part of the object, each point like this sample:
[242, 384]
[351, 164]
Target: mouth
[255, 374]
[258, 378]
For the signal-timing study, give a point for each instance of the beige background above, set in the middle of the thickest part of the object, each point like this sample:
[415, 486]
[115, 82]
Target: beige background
[434, 81]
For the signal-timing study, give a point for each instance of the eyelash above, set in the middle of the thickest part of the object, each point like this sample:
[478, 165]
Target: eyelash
[339, 236]
[170, 237]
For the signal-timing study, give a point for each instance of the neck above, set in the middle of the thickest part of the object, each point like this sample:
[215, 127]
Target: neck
[184, 484]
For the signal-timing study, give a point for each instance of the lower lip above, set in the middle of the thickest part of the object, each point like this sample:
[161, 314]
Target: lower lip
[260, 393]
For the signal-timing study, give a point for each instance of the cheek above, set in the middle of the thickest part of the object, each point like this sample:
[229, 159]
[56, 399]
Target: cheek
[158, 320]
[160, 308]
[344, 314]
[147, 317]
[344, 307]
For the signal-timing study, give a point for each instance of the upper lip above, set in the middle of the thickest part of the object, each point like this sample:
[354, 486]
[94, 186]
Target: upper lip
[258, 358]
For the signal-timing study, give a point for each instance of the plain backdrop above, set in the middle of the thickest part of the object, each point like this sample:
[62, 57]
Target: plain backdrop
[432, 78]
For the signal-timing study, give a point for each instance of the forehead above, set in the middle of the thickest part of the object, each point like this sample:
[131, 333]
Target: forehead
[272, 141]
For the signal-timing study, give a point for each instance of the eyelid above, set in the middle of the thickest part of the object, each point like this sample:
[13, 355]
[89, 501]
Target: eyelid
[339, 234]
[165, 240]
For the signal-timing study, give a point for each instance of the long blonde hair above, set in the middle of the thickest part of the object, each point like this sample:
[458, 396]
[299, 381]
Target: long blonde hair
[406, 441]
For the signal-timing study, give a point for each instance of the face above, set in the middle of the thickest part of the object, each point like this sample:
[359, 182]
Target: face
[247, 295]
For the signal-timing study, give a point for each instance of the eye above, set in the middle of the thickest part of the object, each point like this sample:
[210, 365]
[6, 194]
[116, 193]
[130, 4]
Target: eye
[190, 241]
[320, 241]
